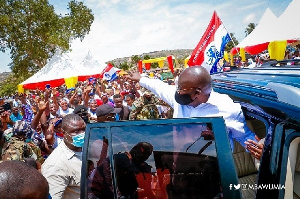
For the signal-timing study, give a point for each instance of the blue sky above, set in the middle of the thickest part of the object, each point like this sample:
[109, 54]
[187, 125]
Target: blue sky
[128, 27]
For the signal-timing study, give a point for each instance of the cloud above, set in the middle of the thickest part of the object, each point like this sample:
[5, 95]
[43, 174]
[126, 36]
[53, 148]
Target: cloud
[128, 27]
[250, 18]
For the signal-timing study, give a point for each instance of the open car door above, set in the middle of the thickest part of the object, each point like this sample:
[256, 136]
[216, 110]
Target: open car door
[187, 158]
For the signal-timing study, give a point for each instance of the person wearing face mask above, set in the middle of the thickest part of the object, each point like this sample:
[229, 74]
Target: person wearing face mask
[194, 97]
[62, 168]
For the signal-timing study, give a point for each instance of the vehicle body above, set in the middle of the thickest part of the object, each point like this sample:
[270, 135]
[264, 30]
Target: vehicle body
[184, 165]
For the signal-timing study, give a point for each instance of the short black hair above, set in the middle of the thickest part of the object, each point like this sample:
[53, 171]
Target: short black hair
[69, 119]
[117, 96]
[131, 96]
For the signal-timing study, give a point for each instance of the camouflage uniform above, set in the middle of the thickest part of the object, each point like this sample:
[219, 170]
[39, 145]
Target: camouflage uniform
[142, 108]
[16, 147]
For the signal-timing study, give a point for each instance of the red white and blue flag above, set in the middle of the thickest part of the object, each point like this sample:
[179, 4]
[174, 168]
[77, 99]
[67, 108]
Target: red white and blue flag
[109, 73]
[211, 47]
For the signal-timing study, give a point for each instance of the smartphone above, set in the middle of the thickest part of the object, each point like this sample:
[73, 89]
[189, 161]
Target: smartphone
[6, 106]
[48, 86]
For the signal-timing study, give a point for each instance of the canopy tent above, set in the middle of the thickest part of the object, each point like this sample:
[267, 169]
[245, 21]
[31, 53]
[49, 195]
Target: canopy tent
[61, 68]
[272, 29]
[160, 60]
[288, 27]
[258, 39]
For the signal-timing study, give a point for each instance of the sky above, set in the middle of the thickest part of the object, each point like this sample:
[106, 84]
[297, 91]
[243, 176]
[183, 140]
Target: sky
[123, 28]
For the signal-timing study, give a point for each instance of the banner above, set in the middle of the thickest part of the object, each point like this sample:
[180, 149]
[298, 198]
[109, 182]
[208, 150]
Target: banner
[140, 66]
[71, 82]
[277, 49]
[171, 66]
[243, 54]
[211, 47]
[147, 66]
[109, 73]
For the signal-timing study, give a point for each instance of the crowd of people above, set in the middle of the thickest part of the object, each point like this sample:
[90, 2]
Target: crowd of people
[46, 128]
[32, 125]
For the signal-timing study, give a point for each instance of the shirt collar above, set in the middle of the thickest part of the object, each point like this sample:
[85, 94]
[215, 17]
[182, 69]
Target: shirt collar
[212, 98]
[68, 152]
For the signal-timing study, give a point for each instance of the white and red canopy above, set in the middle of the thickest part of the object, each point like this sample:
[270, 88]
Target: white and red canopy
[270, 28]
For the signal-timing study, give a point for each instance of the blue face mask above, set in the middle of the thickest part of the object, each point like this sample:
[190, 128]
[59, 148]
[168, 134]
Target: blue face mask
[78, 140]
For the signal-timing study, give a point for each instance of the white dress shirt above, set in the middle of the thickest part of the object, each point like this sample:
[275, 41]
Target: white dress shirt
[216, 106]
[62, 169]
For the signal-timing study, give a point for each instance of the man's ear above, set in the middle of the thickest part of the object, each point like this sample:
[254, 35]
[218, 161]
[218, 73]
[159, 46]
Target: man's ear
[198, 91]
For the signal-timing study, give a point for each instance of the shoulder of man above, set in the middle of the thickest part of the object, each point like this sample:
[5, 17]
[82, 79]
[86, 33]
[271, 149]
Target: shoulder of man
[16, 149]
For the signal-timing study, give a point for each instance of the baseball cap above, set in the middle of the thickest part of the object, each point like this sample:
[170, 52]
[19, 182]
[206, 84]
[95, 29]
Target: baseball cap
[80, 109]
[106, 109]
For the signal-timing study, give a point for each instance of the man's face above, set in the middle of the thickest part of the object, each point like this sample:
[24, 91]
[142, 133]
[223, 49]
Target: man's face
[105, 118]
[104, 99]
[147, 96]
[74, 128]
[118, 102]
[137, 86]
[15, 110]
[187, 88]
[127, 86]
[129, 101]
[52, 108]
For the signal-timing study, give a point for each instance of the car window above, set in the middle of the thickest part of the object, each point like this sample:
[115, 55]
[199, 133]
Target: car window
[165, 159]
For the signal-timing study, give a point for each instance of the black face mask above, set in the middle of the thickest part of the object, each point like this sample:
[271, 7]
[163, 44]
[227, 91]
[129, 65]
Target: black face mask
[184, 99]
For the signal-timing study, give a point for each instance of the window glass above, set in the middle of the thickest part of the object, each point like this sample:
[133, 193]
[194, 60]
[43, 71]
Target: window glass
[153, 161]
[181, 164]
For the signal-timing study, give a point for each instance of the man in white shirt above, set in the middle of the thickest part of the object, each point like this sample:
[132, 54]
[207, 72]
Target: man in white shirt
[62, 168]
[194, 97]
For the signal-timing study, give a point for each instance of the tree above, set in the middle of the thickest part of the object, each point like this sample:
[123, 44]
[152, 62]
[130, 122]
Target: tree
[135, 59]
[32, 31]
[232, 43]
[124, 66]
[250, 28]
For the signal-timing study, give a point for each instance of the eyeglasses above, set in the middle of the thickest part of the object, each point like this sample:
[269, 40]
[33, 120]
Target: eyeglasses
[108, 117]
[178, 90]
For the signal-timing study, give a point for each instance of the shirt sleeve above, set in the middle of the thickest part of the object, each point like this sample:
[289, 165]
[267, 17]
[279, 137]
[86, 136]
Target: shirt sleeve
[57, 180]
[163, 90]
[238, 130]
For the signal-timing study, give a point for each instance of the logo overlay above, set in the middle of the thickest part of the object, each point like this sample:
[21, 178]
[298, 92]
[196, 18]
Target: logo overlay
[256, 187]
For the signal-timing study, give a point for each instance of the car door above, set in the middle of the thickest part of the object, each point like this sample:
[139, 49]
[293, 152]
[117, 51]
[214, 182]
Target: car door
[183, 158]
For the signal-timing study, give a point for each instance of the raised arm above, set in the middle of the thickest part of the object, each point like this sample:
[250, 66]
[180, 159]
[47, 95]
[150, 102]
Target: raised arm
[40, 115]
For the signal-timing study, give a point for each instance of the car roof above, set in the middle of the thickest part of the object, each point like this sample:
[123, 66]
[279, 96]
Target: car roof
[271, 86]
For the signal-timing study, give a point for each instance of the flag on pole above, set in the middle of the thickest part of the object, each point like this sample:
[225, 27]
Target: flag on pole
[211, 47]
[109, 73]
